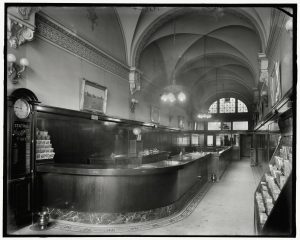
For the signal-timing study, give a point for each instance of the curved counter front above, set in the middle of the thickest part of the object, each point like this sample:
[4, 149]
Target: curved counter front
[87, 188]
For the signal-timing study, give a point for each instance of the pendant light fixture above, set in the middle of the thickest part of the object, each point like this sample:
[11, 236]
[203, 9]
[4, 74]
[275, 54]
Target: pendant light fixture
[204, 115]
[173, 92]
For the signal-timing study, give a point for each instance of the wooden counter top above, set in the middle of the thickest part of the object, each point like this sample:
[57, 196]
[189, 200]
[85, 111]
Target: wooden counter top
[176, 162]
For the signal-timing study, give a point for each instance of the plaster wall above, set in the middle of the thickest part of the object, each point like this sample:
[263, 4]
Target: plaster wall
[282, 52]
[55, 76]
[91, 23]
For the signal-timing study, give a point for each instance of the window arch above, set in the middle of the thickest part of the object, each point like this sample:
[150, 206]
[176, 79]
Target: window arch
[228, 105]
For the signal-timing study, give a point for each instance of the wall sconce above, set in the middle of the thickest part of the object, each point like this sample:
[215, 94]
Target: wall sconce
[137, 132]
[289, 27]
[14, 70]
[133, 103]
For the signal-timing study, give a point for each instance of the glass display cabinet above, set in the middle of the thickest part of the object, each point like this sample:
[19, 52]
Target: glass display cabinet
[273, 198]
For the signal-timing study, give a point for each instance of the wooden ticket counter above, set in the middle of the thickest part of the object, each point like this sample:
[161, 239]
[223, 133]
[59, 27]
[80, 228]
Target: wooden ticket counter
[86, 188]
[220, 161]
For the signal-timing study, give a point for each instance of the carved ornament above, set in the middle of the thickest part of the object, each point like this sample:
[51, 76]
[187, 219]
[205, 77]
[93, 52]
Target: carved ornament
[19, 31]
[134, 80]
[25, 12]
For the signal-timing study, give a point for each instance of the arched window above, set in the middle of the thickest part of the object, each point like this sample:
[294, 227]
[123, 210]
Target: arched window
[228, 105]
[242, 107]
[213, 108]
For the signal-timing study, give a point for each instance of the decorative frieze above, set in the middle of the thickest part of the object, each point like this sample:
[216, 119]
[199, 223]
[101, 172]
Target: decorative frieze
[65, 39]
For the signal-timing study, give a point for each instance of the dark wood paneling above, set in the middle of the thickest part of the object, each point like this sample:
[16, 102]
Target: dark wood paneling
[119, 190]
[76, 140]
[19, 203]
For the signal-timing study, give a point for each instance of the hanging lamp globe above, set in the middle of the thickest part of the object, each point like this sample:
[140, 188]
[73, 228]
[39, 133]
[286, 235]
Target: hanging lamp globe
[173, 93]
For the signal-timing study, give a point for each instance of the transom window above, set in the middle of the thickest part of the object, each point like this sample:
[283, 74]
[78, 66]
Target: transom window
[228, 105]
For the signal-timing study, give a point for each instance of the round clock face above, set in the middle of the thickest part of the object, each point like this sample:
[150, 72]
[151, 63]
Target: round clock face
[22, 108]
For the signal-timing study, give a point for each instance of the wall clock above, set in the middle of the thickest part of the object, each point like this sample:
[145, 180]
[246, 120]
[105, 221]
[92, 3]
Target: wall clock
[22, 108]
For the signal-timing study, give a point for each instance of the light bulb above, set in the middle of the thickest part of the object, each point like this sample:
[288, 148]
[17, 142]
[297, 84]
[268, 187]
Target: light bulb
[181, 97]
[24, 62]
[136, 131]
[11, 57]
[164, 97]
[171, 97]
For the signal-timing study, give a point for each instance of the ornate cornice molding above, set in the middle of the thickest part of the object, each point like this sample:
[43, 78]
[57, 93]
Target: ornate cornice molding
[65, 39]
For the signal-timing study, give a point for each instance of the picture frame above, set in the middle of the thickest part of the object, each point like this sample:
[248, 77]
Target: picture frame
[93, 97]
[154, 114]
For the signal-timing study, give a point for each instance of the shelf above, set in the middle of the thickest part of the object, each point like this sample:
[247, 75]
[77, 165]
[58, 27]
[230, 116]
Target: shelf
[268, 195]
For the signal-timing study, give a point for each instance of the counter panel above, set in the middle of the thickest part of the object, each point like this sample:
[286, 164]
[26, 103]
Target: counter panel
[118, 190]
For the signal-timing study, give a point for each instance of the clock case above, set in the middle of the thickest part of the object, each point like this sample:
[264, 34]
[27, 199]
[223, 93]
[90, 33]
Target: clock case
[19, 166]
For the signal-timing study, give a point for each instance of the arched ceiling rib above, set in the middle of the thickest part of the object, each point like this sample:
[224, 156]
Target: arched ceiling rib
[128, 20]
[150, 28]
[232, 37]
[205, 44]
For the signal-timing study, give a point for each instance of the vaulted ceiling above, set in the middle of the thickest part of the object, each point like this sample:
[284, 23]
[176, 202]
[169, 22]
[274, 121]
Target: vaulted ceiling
[211, 51]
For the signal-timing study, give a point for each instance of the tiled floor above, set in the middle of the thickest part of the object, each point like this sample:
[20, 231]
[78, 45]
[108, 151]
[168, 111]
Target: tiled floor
[226, 209]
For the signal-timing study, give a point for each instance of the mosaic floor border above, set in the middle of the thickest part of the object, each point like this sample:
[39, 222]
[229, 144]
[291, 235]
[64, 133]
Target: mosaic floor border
[85, 229]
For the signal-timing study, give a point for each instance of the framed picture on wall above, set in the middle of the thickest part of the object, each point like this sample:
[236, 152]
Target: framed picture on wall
[275, 84]
[154, 114]
[93, 97]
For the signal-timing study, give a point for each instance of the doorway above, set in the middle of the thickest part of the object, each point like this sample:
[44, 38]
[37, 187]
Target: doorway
[245, 145]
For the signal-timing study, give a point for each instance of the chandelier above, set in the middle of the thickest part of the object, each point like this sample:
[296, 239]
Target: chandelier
[174, 92]
[204, 115]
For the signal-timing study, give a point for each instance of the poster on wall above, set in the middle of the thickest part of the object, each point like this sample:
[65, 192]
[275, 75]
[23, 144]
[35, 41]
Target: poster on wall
[275, 84]
[93, 97]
